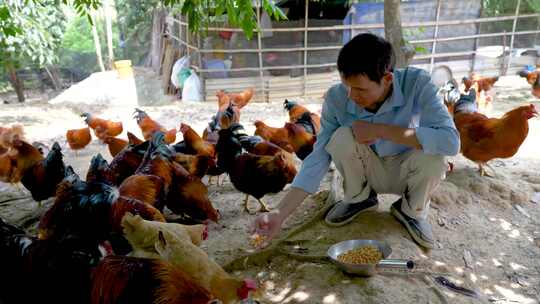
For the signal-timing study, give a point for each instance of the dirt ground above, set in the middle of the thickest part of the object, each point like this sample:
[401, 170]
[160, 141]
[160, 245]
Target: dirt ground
[487, 229]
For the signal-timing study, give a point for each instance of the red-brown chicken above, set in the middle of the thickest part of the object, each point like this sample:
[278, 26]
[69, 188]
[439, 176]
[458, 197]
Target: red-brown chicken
[533, 80]
[115, 145]
[483, 138]
[195, 143]
[149, 126]
[102, 127]
[243, 98]
[77, 139]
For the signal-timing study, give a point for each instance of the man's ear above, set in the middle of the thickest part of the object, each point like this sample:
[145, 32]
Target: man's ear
[388, 77]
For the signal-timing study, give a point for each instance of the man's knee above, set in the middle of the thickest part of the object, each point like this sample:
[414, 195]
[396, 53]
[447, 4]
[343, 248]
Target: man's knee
[342, 143]
[428, 165]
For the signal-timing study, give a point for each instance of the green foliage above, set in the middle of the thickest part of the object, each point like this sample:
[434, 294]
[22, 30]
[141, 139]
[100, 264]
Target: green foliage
[201, 13]
[29, 32]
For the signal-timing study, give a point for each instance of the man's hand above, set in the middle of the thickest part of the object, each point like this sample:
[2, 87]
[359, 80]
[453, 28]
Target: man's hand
[267, 226]
[366, 133]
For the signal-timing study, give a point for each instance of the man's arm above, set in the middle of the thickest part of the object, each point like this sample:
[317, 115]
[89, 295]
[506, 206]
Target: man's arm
[436, 133]
[366, 133]
[308, 179]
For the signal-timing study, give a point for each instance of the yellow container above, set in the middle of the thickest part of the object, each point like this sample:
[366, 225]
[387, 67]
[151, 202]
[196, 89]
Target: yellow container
[123, 68]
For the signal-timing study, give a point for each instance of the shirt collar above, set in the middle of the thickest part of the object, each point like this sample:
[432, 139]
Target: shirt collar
[395, 100]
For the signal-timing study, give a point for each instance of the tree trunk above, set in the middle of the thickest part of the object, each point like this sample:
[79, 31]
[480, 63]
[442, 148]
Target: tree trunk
[15, 82]
[156, 46]
[55, 77]
[107, 10]
[394, 33]
[97, 43]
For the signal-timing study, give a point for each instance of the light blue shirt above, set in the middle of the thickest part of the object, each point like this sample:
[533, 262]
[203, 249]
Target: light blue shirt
[414, 103]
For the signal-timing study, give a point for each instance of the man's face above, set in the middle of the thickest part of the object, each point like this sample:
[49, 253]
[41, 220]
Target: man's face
[365, 92]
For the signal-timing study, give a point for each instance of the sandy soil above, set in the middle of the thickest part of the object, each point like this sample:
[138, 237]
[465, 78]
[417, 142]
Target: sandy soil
[487, 231]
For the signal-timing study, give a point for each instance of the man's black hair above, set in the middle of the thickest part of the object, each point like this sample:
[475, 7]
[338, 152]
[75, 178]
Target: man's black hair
[366, 54]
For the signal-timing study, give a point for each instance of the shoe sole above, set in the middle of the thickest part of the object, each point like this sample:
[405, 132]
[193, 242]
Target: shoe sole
[345, 222]
[414, 236]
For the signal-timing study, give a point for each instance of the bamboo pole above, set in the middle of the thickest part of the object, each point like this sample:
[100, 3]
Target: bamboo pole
[337, 47]
[381, 25]
[259, 51]
[306, 26]
[435, 36]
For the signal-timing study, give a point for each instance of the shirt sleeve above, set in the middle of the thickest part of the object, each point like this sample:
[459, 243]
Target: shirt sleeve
[316, 165]
[437, 132]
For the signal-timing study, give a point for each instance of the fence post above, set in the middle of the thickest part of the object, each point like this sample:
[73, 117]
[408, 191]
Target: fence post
[435, 36]
[259, 50]
[201, 76]
[476, 40]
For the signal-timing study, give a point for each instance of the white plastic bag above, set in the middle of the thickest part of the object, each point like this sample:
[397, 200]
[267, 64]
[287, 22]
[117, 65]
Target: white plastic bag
[192, 88]
[177, 67]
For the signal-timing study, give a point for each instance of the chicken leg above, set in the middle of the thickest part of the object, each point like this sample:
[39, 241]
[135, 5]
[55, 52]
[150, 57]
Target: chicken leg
[483, 171]
[264, 207]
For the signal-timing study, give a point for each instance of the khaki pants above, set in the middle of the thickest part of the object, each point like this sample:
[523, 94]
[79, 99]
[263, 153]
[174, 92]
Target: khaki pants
[413, 174]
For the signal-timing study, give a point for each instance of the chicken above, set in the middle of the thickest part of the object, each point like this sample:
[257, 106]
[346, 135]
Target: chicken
[43, 177]
[195, 144]
[301, 136]
[222, 120]
[257, 145]
[140, 232]
[7, 135]
[192, 260]
[196, 165]
[37, 271]
[482, 86]
[254, 175]
[77, 139]
[189, 196]
[223, 100]
[296, 111]
[134, 140]
[80, 209]
[450, 95]
[483, 138]
[298, 137]
[102, 127]
[149, 127]
[278, 136]
[533, 80]
[99, 171]
[121, 279]
[20, 157]
[115, 145]
[125, 163]
[243, 98]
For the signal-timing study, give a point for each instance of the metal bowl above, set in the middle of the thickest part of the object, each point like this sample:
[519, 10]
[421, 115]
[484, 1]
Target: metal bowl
[362, 269]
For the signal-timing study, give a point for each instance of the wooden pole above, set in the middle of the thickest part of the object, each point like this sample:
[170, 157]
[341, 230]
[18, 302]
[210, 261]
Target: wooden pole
[476, 40]
[306, 26]
[259, 50]
[516, 16]
[435, 36]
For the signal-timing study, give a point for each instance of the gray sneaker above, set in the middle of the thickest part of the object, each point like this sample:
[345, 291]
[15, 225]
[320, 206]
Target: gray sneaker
[419, 229]
[344, 212]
